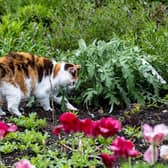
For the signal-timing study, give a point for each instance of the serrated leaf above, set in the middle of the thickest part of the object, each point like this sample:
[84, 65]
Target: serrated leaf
[82, 44]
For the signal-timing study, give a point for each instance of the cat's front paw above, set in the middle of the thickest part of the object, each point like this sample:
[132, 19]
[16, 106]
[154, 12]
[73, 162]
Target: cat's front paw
[2, 113]
[18, 114]
[71, 107]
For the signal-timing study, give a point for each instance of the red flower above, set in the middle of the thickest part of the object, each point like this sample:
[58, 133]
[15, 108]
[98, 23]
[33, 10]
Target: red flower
[3, 129]
[86, 125]
[109, 126]
[90, 127]
[108, 160]
[105, 127]
[70, 122]
[123, 148]
[6, 128]
[57, 129]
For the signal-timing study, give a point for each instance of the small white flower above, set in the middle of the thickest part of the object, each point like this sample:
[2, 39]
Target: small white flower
[164, 152]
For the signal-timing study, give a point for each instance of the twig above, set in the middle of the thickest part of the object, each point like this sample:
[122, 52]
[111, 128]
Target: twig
[69, 148]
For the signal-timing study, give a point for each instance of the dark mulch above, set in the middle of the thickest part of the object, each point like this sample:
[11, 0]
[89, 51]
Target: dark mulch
[152, 115]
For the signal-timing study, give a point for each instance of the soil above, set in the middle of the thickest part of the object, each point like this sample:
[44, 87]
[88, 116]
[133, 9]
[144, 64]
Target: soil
[151, 115]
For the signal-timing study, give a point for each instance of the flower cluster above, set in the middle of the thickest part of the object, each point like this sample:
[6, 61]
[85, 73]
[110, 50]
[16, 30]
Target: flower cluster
[155, 136]
[121, 148]
[23, 164]
[5, 128]
[105, 127]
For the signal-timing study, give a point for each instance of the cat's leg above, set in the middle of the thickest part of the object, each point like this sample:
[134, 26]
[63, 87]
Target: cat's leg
[1, 103]
[2, 112]
[69, 106]
[45, 102]
[13, 96]
[13, 102]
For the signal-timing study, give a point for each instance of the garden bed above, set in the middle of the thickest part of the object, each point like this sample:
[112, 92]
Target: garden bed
[132, 117]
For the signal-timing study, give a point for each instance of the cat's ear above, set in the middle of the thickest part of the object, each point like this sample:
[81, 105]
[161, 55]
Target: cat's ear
[70, 67]
[67, 66]
[78, 67]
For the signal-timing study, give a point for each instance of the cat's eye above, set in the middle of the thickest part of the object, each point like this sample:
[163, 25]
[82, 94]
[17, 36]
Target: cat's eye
[73, 71]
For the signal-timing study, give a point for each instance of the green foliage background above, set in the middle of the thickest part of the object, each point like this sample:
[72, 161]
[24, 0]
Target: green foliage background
[52, 28]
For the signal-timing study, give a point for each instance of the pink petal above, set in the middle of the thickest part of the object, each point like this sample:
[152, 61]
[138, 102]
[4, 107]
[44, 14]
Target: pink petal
[2, 134]
[147, 132]
[148, 155]
[133, 153]
[147, 129]
[12, 128]
[158, 138]
[104, 130]
[23, 164]
[161, 128]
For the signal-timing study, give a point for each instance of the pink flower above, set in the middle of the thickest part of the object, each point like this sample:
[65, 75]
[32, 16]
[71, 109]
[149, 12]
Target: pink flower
[6, 128]
[108, 160]
[12, 127]
[24, 164]
[70, 122]
[150, 155]
[109, 126]
[154, 135]
[123, 148]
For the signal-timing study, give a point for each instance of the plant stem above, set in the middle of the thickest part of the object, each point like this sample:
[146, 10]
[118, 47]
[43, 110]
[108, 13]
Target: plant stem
[80, 146]
[129, 162]
[0, 159]
[154, 155]
[68, 147]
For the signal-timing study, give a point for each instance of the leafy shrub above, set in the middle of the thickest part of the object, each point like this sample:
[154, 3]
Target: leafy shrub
[116, 71]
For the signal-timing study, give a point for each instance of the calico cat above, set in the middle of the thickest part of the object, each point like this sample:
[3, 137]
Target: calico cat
[23, 74]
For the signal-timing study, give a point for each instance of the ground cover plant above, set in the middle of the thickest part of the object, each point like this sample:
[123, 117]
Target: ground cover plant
[122, 89]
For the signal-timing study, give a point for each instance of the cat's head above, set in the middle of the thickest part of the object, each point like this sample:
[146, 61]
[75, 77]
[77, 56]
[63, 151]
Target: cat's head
[68, 75]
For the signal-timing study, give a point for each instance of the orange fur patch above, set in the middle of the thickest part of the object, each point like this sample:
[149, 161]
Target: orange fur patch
[15, 67]
[56, 69]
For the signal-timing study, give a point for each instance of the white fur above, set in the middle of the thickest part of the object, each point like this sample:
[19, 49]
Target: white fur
[12, 95]
[43, 91]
